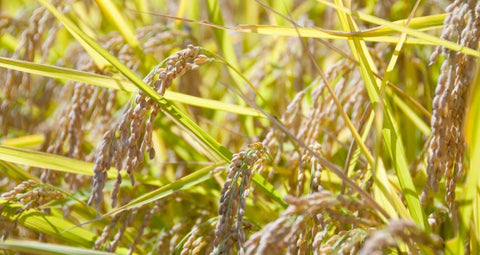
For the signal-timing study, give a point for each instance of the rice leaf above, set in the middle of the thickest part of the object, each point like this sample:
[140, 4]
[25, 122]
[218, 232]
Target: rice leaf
[409, 31]
[31, 247]
[44, 160]
[119, 84]
[390, 130]
[186, 182]
[48, 224]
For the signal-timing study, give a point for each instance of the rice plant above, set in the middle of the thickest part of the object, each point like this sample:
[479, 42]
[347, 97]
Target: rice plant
[239, 127]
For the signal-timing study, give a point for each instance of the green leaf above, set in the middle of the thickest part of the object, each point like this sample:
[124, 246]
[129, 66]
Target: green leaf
[389, 130]
[24, 141]
[409, 31]
[48, 224]
[119, 84]
[188, 181]
[30, 247]
[377, 34]
[123, 25]
[15, 172]
[45, 160]
[67, 74]
[125, 28]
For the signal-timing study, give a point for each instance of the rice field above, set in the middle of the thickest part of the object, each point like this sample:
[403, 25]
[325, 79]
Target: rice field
[239, 127]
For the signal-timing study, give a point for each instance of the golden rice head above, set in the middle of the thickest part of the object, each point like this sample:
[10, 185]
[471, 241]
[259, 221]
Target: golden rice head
[447, 146]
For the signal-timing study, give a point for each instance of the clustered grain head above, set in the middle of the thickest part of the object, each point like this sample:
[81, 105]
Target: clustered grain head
[313, 213]
[19, 189]
[274, 139]
[402, 230]
[168, 240]
[31, 195]
[319, 127]
[126, 143]
[447, 146]
[120, 222]
[200, 239]
[277, 236]
[19, 91]
[437, 218]
[113, 245]
[107, 231]
[229, 231]
[345, 242]
[91, 108]
[147, 217]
